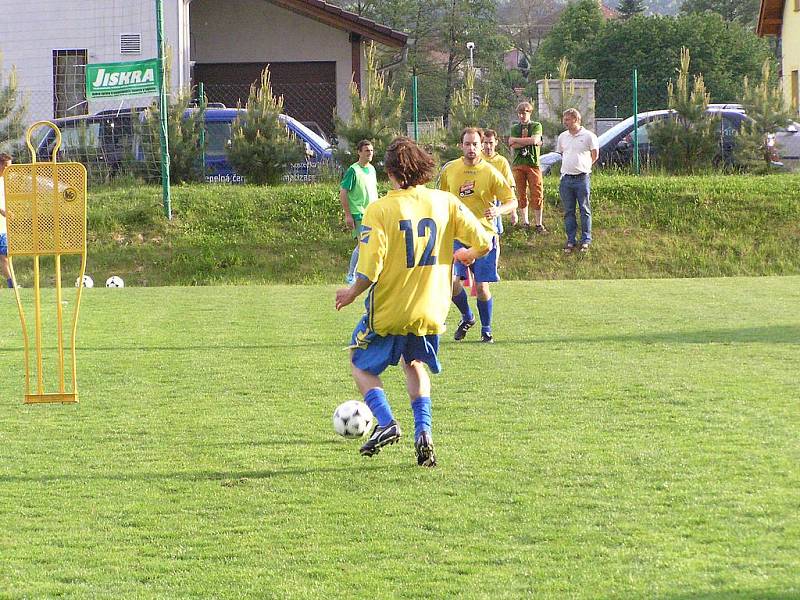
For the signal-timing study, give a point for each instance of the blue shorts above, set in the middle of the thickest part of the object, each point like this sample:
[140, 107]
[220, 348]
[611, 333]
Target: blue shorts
[484, 269]
[3, 244]
[373, 353]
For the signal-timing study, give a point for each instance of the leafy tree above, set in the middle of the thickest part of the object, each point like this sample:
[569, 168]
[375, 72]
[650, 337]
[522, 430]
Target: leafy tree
[687, 140]
[764, 104]
[184, 140]
[527, 22]
[12, 112]
[723, 52]
[469, 21]
[377, 113]
[744, 12]
[261, 147]
[572, 37]
[630, 8]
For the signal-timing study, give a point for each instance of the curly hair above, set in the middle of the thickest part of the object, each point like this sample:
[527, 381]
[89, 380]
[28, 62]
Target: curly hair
[409, 164]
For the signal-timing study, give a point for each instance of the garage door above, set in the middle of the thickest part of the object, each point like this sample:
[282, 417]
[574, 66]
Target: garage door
[308, 88]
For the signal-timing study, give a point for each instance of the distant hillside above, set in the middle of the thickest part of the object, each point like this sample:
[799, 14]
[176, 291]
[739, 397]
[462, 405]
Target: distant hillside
[655, 7]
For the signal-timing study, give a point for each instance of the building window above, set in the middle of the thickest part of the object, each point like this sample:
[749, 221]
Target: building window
[795, 91]
[69, 83]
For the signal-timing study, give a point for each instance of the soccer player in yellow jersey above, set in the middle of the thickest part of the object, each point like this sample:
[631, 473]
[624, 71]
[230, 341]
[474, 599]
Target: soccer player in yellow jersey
[478, 184]
[405, 261]
[499, 162]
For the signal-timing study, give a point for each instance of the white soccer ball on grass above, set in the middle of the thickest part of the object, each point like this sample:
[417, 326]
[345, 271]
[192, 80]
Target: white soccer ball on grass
[88, 282]
[352, 419]
[115, 282]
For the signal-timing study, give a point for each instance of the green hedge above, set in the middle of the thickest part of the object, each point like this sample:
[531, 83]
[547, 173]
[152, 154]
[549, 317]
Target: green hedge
[643, 227]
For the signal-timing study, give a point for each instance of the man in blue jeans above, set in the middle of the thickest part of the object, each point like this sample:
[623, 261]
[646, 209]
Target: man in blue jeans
[579, 150]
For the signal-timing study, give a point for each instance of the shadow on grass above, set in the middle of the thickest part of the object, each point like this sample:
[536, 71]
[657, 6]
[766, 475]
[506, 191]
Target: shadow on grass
[774, 334]
[734, 594]
[221, 476]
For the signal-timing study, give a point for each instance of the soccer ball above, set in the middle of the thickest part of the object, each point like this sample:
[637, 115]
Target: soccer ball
[352, 419]
[88, 282]
[115, 281]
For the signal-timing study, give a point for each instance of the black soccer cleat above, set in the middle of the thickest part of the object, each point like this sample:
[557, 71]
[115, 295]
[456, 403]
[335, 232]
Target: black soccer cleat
[487, 338]
[381, 436]
[423, 448]
[461, 330]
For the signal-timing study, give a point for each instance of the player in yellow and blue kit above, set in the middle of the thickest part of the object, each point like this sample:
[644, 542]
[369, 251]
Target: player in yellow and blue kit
[478, 185]
[405, 261]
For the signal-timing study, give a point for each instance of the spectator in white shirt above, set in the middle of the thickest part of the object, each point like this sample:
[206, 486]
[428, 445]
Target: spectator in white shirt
[579, 150]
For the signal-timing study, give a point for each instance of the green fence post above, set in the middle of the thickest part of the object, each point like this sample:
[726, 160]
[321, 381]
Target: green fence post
[163, 109]
[414, 105]
[636, 121]
[202, 106]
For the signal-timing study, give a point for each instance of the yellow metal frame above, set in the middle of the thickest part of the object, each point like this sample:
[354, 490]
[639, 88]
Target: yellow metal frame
[47, 222]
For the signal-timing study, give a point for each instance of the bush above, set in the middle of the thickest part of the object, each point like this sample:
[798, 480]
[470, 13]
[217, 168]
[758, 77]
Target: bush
[687, 140]
[262, 149]
[185, 157]
[377, 115]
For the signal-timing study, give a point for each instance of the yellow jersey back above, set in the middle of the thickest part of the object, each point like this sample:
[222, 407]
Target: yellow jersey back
[406, 250]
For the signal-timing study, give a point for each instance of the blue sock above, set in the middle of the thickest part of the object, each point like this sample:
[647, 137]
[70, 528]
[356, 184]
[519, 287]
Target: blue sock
[485, 311]
[351, 271]
[422, 415]
[10, 282]
[376, 400]
[462, 303]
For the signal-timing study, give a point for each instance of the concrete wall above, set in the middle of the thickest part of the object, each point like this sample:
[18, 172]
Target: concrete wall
[584, 90]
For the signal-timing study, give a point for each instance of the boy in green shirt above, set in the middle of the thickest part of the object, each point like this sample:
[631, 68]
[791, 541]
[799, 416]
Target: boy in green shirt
[526, 140]
[358, 189]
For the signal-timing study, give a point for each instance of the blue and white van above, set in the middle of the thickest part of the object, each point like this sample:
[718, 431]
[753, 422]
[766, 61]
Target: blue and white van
[219, 122]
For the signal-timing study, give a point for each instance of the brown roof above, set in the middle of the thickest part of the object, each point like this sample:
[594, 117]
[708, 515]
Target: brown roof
[770, 17]
[342, 19]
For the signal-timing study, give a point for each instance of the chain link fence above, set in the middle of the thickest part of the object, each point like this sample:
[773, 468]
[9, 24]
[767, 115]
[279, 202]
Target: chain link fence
[110, 139]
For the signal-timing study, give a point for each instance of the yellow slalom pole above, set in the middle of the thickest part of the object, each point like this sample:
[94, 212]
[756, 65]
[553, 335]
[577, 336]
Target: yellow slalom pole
[37, 307]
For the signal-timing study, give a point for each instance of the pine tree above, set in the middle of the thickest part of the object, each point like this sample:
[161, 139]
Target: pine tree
[12, 112]
[262, 148]
[764, 104]
[688, 140]
[377, 113]
[184, 140]
[466, 110]
[630, 8]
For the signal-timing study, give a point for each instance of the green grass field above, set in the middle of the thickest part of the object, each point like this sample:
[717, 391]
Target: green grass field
[623, 439]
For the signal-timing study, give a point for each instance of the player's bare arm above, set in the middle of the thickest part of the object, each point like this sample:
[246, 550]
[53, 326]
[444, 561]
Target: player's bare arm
[345, 296]
[348, 218]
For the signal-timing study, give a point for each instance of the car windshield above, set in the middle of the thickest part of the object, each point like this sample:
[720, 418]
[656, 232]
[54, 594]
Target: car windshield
[615, 131]
[80, 136]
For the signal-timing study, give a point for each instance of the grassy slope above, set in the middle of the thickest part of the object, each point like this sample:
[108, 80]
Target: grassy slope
[644, 227]
[621, 440]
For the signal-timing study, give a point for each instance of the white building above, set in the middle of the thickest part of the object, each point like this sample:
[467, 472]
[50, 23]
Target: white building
[313, 49]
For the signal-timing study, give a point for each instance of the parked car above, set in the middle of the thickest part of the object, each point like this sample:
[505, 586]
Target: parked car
[219, 123]
[616, 144]
[104, 140]
[101, 141]
[787, 142]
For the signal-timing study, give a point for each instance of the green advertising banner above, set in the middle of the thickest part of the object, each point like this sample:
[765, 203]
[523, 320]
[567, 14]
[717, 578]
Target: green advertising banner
[122, 79]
